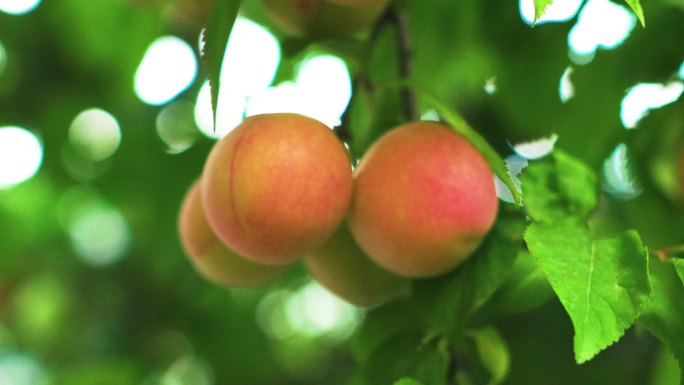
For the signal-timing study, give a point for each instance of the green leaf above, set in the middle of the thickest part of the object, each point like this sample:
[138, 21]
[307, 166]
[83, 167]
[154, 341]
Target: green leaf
[679, 266]
[603, 284]
[540, 8]
[215, 38]
[408, 381]
[424, 358]
[558, 187]
[381, 324]
[449, 301]
[493, 353]
[663, 316]
[638, 11]
[526, 287]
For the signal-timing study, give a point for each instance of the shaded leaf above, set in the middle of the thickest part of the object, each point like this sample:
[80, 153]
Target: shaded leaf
[425, 359]
[663, 315]
[558, 187]
[408, 381]
[679, 266]
[493, 353]
[603, 284]
[638, 11]
[214, 39]
[449, 301]
[526, 287]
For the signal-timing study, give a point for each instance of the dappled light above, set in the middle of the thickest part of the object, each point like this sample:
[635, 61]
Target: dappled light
[566, 89]
[176, 126]
[95, 134]
[558, 11]
[321, 90]
[167, 69]
[515, 164]
[645, 97]
[21, 369]
[3, 58]
[601, 24]
[251, 61]
[618, 179]
[21, 154]
[536, 149]
[18, 7]
[307, 312]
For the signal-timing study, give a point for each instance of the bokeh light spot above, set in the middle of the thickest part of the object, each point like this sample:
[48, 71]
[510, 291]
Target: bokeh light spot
[18, 7]
[617, 176]
[644, 97]
[490, 86]
[20, 369]
[21, 155]
[99, 234]
[321, 90]
[167, 69]
[188, 370]
[555, 12]
[251, 60]
[3, 57]
[536, 149]
[601, 23]
[681, 71]
[176, 126]
[95, 134]
[566, 89]
[308, 312]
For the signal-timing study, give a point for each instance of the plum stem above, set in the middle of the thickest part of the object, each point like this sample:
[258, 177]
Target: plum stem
[669, 252]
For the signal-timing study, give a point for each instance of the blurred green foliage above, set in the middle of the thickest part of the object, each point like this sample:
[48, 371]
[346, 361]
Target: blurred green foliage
[150, 319]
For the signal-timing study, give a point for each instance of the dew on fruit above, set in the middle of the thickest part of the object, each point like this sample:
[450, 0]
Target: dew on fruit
[95, 134]
[21, 154]
[18, 7]
[566, 89]
[617, 175]
[167, 69]
[601, 24]
[558, 11]
[643, 97]
[251, 59]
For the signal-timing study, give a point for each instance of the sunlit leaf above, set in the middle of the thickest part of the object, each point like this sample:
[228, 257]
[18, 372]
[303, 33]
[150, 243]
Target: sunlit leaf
[638, 11]
[602, 283]
[557, 187]
[450, 300]
[663, 315]
[540, 8]
[679, 265]
[214, 39]
[526, 287]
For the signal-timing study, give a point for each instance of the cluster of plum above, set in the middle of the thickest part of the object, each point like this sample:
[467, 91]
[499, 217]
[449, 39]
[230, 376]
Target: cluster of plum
[281, 187]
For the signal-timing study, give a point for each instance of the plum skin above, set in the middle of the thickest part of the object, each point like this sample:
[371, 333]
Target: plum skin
[424, 199]
[276, 187]
[341, 266]
[210, 257]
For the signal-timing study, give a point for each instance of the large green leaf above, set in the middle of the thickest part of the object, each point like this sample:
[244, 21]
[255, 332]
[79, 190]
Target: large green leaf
[449, 301]
[215, 39]
[664, 315]
[602, 283]
[558, 187]
[526, 287]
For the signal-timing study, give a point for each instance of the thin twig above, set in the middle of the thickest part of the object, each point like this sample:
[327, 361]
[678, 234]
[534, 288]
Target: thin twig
[405, 55]
[669, 252]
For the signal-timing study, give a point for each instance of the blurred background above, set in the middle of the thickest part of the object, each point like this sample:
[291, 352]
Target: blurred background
[105, 121]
